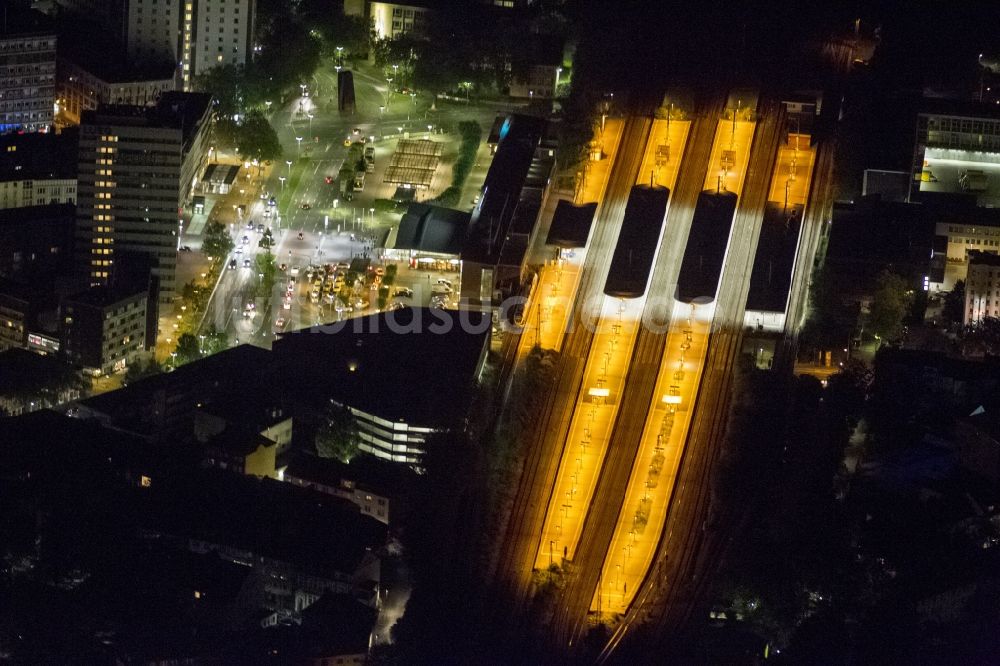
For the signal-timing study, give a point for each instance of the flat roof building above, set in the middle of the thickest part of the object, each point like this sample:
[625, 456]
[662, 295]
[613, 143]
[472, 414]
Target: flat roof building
[982, 287]
[138, 168]
[404, 375]
[38, 169]
[104, 330]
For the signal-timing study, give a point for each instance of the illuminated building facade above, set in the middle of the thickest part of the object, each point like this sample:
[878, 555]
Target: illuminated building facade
[982, 287]
[27, 72]
[137, 169]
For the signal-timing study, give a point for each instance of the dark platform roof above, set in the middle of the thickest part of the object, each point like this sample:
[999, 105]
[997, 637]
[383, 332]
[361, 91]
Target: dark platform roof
[414, 364]
[701, 267]
[571, 224]
[519, 137]
[772, 264]
[365, 471]
[426, 228]
[638, 240]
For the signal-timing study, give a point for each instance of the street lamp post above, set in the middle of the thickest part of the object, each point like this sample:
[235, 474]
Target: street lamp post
[289, 163]
[298, 141]
[282, 179]
[310, 121]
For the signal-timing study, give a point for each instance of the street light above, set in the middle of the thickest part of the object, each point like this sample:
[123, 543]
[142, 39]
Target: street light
[289, 163]
[310, 121]
[282, 179]
[429, 128]
[299, 140]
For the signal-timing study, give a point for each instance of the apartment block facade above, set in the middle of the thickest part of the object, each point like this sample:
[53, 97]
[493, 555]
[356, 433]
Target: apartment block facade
[27, 72]
[137, 169]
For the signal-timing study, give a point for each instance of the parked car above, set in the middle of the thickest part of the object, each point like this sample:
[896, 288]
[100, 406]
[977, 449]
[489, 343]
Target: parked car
[246, 263]
[305, 206]
[405, 292]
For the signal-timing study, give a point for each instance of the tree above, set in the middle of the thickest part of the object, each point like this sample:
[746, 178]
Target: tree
[216, 242]
[256, 139]
[337, 436]
[983, 336]
[266, 239]
[954, 304]
[188, 349]
[267, 271]
[214, 342]
[890, 303]
[140, 369]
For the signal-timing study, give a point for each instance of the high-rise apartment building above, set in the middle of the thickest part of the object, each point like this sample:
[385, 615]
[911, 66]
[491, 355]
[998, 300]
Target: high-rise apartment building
[27, 71]
[194, 35]
[137, 168]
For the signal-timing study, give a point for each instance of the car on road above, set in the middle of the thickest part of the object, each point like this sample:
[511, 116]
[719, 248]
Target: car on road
[405, 292]
[238, 250]
[282, 267]
[232, 264]
[185, 248]
[347, 142]
[287, 304]
[356, 130]
[246, 263]
[305, 206]
[395, 305]
[279, 324]
[246, 240]
[301, 236]
[328, 180]
[250, 225]
[445, 282]
[260, 228]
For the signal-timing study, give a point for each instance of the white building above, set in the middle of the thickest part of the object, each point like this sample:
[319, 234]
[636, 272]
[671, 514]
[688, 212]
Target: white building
[193, 35]
[982, 287]
[27, 72]
[392, 19]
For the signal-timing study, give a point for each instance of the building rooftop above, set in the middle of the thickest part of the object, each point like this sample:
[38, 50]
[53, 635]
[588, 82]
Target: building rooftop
[36, 214]
[175, 110]
[104, 297]
[979, 258]
[427, 228]
[414, 364]
[17, 22]
[365, 471]
[37, 156]
[26, 373]
[319, 532]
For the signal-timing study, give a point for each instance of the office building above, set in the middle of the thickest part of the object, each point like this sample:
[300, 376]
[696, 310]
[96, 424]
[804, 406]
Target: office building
[103, 329]
[957, 152]
[191, 35]
[37, 169]
[982, 287]
[27, 71]
[138, 167]
[83, 84]
[396, 406]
